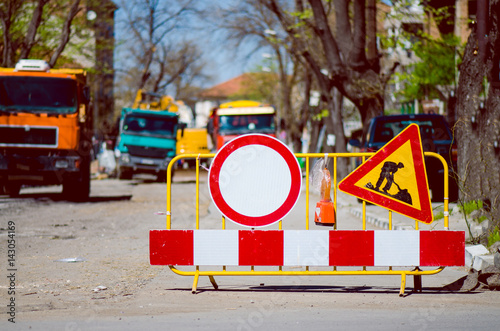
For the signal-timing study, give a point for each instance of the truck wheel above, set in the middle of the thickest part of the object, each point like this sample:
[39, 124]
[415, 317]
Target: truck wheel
[124, 174]
[78, 188]
[162, 176]
[12, 189]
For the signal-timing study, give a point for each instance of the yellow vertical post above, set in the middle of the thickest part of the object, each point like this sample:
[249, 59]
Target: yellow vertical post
[364, 205]
[195, 280]
[403, 284]
[446, 199]
[280, 227]
[335, 191]
[307, 193]
[390, 226]
[169, 195]
[214, 283]
[364, 215]
[198, 192]
[446, 214]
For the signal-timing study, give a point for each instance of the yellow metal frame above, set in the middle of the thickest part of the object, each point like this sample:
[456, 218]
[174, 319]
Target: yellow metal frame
[417, 273]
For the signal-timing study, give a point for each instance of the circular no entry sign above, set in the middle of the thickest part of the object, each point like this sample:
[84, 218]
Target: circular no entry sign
[255, 180]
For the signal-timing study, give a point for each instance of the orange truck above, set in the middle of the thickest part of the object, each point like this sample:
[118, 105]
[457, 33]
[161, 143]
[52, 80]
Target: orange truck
[232, 119]
[45, 129]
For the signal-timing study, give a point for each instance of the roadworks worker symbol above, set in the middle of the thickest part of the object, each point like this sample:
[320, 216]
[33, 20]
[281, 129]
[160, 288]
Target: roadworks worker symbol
[395, 177]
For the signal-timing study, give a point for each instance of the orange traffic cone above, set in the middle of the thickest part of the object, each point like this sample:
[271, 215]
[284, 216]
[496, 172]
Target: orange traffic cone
[325, 210]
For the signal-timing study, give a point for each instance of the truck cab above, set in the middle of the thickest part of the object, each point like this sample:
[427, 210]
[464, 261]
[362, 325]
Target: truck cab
[147, 142]
[45, 128]
[236, 118]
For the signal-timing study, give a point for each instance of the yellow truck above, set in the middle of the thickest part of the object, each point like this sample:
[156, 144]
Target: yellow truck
[194, 141]
[153, 101]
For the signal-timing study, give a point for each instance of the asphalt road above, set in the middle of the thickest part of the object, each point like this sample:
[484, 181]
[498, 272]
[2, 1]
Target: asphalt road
[85, 266]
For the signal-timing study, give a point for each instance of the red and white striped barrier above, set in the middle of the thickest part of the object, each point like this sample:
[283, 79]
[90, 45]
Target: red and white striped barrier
[307, 248]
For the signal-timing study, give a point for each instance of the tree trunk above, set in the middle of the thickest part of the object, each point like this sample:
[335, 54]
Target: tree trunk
[7, 17]
[66, 32]
[338, 127]
[29, 41]
[304, 112]
[478, 125]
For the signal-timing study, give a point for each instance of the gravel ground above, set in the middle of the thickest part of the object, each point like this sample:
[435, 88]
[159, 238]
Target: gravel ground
[105, 277]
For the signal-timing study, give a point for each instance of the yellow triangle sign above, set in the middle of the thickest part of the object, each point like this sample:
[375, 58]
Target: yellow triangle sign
[395, 177]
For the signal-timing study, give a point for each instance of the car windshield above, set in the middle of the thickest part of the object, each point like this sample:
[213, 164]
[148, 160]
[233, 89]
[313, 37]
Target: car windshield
[431, 128]
[150, 125]
[38, 95]
[243, 123]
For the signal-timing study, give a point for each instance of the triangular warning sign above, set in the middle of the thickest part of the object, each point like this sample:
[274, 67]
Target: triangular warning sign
[395, 177]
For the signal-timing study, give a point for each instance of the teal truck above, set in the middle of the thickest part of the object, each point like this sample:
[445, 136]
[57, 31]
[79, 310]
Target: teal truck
[146, 142]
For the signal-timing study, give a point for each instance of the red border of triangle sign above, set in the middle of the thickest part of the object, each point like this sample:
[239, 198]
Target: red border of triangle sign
[351, 184]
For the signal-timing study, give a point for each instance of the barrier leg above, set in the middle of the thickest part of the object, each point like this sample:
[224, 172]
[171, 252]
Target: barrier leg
[417, 281]
[195, 281]
[212, 280]
[403, 284]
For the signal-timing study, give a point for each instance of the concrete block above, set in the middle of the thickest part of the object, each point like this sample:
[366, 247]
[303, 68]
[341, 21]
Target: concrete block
[473, 251]
[482, 261]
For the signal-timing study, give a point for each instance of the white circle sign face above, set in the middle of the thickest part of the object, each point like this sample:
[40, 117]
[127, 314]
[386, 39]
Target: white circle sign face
[255, 180]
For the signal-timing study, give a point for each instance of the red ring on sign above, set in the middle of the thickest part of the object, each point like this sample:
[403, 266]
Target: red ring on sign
[283, 151]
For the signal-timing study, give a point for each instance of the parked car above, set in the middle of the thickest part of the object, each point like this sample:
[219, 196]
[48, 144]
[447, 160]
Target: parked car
[436, 137]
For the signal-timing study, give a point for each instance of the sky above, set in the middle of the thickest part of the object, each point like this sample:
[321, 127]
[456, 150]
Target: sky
[223, 63]
[228, 66]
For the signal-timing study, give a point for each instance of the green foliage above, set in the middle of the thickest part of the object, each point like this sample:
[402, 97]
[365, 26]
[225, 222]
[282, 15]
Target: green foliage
[494, 236]
[303, 15]
[481, 219]
[468, 207]
[436, 67]
[439, 216]
[322, 114]
[49, 32]
[439, 212]
[259, 86]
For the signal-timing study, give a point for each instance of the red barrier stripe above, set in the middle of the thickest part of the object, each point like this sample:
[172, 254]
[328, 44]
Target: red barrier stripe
[171, 247]
[351, 248]
[345, 248]
[260, 247]
[442, 248]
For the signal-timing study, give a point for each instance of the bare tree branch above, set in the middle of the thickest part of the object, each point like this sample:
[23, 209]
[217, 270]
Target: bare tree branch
[66, 32]
[157, 55]
[357, 55]
[326, 36]
[8, 11]
[343, 26]
[29, 41]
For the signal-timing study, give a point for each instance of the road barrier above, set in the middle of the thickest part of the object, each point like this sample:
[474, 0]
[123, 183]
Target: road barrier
[375, 252]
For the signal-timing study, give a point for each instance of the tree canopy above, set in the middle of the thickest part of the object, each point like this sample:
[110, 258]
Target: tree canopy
[434, 74]
[34, 29]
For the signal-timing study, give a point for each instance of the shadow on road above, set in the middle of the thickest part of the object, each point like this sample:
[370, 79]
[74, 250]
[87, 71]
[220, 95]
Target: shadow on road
[57, 197]
[455, 287]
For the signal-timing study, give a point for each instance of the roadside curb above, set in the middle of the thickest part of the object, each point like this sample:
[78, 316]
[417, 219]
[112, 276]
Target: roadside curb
[380, 222]
[478, 257]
